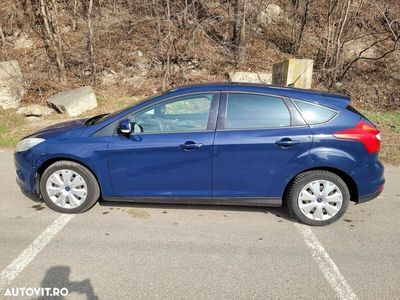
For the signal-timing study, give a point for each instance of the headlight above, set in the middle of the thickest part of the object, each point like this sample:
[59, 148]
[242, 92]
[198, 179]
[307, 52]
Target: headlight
[28, 143]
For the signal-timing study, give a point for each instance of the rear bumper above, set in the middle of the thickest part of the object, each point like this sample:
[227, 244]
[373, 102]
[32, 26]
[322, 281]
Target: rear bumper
[370, 181]
[362, 199]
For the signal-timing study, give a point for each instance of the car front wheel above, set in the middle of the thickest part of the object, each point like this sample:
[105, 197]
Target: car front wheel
[69, 187]
[317, 197]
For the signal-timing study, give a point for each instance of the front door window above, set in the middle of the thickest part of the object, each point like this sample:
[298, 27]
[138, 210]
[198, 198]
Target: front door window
[183, 114]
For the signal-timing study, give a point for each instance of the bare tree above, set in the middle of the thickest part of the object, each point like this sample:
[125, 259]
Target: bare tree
[301, 18]
[338, 12]
[239, 29]
[74, 14]
[90, 40]
[345, 28]
[3, 39]
[52, 35]
[289, 39]
[4, 16]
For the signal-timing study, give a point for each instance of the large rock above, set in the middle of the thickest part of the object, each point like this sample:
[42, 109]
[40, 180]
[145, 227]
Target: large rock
[35, 110]
[252, 77]
[268, 14]
[12, 84]
[74, 102]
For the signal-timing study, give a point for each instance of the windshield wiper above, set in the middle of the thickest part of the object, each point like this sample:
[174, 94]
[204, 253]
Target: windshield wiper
[93, 120]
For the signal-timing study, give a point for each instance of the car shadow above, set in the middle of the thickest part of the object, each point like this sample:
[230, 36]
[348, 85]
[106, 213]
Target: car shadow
[58, 277]
[279, 212]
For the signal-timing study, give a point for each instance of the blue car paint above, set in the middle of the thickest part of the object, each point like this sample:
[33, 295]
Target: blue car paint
[159, 167]
[250, 164]
[241, 163]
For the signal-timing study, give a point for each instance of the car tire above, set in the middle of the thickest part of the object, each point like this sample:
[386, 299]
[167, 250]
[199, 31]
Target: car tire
[300, 193]
[89, 188]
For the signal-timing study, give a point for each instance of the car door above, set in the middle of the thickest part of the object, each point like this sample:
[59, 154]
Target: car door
[260, 139]
[171, 155]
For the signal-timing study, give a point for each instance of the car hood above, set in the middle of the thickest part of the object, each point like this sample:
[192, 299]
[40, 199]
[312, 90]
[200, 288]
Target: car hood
[67, 129]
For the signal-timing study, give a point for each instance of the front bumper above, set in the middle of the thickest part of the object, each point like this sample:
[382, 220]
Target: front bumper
[26, 167]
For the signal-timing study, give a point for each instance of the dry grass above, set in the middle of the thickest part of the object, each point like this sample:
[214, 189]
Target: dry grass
[13, 127]
[389, 124]
[10, 126]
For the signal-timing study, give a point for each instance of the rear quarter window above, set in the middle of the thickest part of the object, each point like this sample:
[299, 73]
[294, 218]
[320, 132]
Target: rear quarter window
[315, 114]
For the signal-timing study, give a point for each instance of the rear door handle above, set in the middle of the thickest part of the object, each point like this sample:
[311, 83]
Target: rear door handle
[287, 142]
[190, 145]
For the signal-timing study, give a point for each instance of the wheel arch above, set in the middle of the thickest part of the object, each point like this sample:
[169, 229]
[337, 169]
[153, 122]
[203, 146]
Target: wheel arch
[45, 164]
[351, 184]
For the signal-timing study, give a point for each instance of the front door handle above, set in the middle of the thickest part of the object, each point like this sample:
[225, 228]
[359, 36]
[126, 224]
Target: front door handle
[287, 142]
[190, 145]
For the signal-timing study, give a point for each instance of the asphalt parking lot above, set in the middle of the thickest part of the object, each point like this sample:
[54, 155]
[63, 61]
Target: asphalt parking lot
[127, 251]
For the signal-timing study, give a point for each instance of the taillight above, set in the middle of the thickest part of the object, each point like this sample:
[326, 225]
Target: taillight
[366, 133]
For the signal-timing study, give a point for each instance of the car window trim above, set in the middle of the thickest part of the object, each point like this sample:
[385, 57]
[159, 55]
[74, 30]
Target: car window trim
[223, 109]
[211, 122]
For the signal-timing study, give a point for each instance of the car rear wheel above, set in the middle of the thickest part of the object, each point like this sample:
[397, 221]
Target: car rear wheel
[317, 197]
[69, 187]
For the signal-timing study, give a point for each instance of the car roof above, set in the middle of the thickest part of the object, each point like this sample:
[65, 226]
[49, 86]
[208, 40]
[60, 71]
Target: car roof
[322, 97]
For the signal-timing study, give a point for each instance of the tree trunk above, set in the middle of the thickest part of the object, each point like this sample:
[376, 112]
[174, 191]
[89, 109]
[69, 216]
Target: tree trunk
[3, 39]
[90, 40]
[51, 22]
[74, 15]
[239, 30]
[303, 22]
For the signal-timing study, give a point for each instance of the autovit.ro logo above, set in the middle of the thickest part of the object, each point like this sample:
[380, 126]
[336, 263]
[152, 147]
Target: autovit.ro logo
[38, 291]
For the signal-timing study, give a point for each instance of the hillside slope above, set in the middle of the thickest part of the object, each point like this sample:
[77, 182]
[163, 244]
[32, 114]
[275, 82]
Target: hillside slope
[129, 49]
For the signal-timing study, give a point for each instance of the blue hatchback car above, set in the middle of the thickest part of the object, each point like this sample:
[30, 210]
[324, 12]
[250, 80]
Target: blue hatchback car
[235, 144]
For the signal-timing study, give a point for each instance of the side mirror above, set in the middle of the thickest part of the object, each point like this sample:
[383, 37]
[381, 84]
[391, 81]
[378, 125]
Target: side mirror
[125, 126]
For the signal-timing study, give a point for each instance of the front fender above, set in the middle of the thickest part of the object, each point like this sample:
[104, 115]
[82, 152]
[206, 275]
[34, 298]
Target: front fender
[90, 152]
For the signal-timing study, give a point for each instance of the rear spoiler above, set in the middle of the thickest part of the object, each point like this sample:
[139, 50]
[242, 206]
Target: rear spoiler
[337, 99]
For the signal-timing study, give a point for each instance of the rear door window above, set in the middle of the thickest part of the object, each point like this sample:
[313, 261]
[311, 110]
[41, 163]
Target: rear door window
[315, 114]
[247, 111]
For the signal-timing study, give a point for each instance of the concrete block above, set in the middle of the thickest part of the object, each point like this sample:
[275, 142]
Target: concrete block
[293, 71]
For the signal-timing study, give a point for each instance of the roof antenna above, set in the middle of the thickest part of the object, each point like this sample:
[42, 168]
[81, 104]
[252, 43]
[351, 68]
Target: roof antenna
[293, 83]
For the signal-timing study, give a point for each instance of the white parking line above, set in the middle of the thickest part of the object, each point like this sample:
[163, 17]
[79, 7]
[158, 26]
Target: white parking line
[10, 272]
[326, 264]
